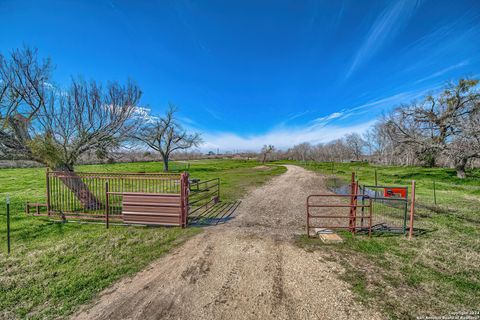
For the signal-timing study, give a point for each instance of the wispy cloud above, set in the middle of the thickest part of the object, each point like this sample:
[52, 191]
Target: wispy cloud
[318, 130]
[326, 119]
[431, 49]
[443, 71]
[213, 113]
[385, 27]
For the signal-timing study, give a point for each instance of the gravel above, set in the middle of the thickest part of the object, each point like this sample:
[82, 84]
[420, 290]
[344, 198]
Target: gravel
[248, 268]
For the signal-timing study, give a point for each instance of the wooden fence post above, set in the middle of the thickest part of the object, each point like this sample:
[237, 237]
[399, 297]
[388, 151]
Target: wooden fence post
[412, 211]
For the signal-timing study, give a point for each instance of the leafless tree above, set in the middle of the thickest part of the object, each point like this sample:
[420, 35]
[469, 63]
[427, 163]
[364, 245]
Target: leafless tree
[165, 135]
[84, 118]
[443, 125]
[266, 150]
[54, 126]
[24, 85]
[355, 144]
[301, 151]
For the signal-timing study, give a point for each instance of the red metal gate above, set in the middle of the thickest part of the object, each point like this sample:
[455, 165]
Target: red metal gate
[327, 214]
[327, 211]
[159, 198]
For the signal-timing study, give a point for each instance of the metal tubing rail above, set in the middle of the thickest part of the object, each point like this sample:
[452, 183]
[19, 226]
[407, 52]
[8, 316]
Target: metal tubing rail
[350, 217]
[203, 197]
[206, 181]
[206, 189]
[382, 187]
[120, 173]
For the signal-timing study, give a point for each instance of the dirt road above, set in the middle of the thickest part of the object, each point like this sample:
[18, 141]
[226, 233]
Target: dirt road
[248, 268]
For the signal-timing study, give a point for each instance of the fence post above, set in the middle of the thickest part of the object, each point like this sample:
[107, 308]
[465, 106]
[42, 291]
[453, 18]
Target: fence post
[8, 224]
[376, 179]
[308, 219]
[370, 211]
[107, 207]
[352, 201]
[412, 211]
[184, 189]
[48, 190]
[434, 193]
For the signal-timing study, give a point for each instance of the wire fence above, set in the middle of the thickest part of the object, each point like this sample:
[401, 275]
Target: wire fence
[433, 195]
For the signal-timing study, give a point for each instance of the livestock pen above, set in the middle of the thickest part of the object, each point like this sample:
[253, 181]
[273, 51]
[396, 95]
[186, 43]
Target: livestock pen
[136, 198]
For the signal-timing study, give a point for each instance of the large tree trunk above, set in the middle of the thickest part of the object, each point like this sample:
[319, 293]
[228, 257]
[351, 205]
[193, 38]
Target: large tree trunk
[81, 191]
[165, 163]
[460, 167]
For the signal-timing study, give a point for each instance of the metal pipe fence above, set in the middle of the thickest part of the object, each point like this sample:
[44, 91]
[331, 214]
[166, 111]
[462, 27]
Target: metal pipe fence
[77, 195]
[203, 195]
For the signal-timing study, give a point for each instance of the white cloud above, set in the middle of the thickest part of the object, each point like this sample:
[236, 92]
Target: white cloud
[319, 130]
[324, 120]
[280, 138]
[144, 114]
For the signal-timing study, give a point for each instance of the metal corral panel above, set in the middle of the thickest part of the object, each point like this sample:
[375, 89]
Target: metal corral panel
[151, 208]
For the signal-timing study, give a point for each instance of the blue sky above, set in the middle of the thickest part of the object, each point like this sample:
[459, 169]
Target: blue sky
[247, 73]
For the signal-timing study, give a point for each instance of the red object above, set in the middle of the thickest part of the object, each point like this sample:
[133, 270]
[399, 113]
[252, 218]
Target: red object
[395, 192]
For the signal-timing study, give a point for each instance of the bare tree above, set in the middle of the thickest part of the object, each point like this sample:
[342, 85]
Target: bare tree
[52, 126]
[24, 85]
[266, 150]
[445, 125]
[165, 135]
[301, 151]
[85, 118]
[355, 144]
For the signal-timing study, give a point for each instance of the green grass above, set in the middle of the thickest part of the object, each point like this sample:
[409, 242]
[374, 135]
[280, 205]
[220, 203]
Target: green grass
[55, 267]
[434, 274]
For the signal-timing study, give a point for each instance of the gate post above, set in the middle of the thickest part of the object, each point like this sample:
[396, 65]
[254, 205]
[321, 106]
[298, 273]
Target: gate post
[412, 211]
[184, 189]
[107, 205]
[352, 203]
[47, 175]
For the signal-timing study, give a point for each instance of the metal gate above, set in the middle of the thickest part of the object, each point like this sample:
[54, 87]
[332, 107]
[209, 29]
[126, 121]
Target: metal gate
[389, 207]
[381, 209]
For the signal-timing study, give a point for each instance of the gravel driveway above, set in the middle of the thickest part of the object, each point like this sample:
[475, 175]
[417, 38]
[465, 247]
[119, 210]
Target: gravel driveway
[248, 268]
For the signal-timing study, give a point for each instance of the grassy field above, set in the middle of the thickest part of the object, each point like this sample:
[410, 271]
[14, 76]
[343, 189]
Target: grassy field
[435, 274]
[55, 267]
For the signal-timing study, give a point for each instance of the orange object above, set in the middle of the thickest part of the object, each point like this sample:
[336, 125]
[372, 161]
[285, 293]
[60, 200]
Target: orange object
[395, 192]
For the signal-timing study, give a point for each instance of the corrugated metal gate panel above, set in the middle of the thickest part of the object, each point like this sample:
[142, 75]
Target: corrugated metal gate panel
[151, 208]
